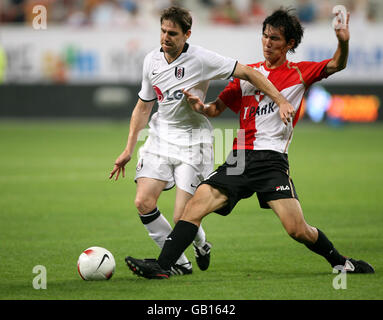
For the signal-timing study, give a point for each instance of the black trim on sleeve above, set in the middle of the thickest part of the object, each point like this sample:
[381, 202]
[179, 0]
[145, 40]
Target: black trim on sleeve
[231, 74]
[146, 100]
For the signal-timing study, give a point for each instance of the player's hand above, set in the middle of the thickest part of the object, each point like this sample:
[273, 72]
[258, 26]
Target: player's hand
[286, 112]
[119, 165]
[341, 29]
[194, 101]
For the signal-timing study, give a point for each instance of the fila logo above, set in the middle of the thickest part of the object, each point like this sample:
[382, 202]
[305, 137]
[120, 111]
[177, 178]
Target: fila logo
[282, 188]
[179, 72]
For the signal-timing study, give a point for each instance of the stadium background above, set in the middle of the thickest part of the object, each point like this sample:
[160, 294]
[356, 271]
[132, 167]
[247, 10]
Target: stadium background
[66, 94]
[87, 62]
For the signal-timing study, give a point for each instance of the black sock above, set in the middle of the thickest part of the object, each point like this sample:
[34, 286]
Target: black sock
[325, 248]
[151, 216]
[176, 243]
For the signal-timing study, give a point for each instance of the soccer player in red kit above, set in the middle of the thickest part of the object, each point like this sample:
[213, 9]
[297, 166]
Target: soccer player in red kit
[259, 162]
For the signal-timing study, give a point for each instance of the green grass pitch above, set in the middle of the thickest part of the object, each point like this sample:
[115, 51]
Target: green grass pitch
[56, 200]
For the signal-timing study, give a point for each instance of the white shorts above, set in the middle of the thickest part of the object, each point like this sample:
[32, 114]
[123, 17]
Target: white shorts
[182, 166]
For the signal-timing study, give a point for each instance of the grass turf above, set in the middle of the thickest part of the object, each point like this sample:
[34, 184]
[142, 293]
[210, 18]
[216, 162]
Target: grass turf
[56, 200]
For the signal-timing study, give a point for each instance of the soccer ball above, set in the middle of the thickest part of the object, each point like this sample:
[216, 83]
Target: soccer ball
[96, 263]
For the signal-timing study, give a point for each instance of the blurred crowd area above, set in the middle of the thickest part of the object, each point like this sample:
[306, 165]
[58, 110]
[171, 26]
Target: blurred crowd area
[123, 13]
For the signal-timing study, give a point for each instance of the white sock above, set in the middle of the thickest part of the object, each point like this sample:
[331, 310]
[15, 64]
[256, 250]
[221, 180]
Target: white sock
[159, 228]
[200, 238]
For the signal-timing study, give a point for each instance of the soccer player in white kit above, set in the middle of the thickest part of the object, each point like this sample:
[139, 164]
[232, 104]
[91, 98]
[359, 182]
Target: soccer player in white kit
[179, 148]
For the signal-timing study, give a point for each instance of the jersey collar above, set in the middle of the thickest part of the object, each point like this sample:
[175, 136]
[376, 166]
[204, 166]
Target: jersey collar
[185, 48]
[281, 66]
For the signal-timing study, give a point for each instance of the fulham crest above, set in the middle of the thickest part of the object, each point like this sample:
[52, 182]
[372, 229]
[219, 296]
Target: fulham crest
[179, 72]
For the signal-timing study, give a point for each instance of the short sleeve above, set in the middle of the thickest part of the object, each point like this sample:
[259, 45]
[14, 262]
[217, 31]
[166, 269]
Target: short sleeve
[313, 71]
[147, 92]
[215, 66]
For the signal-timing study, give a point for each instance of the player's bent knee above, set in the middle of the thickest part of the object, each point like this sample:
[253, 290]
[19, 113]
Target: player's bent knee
[145, 204]
[296, 235]
[300, 234]
[193, 212]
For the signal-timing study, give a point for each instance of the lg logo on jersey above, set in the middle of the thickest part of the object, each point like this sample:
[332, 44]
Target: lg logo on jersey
[176, 95]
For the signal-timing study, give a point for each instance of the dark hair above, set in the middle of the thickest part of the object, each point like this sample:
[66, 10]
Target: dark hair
[179, 16]
[288, 23]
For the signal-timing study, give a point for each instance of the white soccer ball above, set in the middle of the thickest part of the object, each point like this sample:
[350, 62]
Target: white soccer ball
[96, 263]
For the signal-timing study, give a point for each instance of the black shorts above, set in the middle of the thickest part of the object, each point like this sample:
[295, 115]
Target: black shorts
[245, 172]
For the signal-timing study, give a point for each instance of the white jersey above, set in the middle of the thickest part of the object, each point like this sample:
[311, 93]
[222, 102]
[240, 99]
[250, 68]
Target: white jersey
[175, 122]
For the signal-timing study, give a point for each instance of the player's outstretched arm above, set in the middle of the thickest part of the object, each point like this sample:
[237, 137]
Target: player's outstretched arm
[138, 121]
[257, 79]
[339, 60]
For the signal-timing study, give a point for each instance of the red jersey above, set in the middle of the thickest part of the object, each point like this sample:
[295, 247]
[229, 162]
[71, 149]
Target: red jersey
[262, 126]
